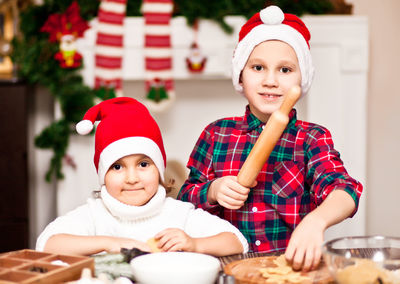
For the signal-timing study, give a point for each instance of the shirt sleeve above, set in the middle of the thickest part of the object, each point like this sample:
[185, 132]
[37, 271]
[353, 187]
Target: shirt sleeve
[201, 173]
[76, 222]
[203, 224]
[325, 169]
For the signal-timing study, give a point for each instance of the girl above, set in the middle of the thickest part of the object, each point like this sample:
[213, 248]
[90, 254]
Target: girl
[132, 207]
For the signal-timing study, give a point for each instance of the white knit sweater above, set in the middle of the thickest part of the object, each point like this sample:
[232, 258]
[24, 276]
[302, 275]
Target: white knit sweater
[107, 216]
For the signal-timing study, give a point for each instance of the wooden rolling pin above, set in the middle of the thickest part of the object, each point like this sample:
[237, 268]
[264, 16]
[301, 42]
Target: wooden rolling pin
[265, 143]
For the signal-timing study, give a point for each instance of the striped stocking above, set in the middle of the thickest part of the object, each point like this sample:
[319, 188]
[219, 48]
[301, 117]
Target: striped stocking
[109, 45]
[158, 55]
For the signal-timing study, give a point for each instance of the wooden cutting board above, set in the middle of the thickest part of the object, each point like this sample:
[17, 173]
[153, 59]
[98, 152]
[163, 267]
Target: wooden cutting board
[246, 271]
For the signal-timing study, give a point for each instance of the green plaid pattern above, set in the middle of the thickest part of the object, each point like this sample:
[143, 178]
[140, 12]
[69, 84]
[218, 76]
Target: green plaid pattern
[301, 171]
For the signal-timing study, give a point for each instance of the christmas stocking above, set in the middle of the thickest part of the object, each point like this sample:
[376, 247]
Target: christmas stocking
[109, 45]
[158, 55]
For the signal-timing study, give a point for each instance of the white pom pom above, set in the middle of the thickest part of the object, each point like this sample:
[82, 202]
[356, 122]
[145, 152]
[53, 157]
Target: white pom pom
[272, 15]
[84, 127]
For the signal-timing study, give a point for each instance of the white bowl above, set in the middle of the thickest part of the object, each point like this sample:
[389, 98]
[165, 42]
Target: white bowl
[175, 268]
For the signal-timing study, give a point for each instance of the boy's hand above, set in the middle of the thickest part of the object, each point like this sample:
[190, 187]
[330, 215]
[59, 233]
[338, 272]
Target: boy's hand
[228, 192]
[174, 239]
[304, 248]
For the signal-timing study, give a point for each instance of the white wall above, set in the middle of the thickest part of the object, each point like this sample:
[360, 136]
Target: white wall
[42, 195]
[384, 116]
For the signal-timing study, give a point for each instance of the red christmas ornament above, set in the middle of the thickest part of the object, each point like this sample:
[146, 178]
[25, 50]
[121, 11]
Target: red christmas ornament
[66, 28]
[196, 61]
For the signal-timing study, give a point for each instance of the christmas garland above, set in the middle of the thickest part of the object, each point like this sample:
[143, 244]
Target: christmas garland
[34, 56]
[193, 10]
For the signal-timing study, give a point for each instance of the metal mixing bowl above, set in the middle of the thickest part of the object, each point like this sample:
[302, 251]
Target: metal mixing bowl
[365, 259]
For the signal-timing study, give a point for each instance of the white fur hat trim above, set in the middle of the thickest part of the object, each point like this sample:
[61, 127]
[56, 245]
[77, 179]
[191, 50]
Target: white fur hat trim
[128, 146]
[280, 32]
[84, 127]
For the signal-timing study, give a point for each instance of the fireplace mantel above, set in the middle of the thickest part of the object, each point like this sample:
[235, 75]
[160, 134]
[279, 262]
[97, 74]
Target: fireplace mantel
[349, 32]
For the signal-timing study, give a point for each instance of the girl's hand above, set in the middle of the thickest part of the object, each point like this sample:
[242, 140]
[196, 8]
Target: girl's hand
[228, 192]
[174, 239]
[114, 244]
[304, 248]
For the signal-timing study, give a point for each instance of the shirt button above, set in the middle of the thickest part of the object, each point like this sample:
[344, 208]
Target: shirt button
[258, 243]
[254, 209]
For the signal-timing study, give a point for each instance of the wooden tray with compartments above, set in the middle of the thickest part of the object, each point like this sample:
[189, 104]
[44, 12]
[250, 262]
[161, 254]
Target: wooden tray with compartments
[30, 266]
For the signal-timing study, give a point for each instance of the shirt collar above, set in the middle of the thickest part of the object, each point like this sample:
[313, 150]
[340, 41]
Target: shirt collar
[251, 122]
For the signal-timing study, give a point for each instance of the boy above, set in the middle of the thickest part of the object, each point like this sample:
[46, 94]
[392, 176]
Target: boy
[303, 188]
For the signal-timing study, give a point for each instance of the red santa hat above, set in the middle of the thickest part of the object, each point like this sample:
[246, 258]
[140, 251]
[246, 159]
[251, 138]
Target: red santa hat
[126, 127]
[272, 24]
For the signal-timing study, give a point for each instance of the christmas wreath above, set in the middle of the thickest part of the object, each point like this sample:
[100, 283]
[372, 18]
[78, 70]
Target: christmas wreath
[45, 56]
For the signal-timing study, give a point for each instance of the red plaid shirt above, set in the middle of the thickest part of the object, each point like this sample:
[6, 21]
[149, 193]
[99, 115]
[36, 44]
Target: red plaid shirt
[301, 171]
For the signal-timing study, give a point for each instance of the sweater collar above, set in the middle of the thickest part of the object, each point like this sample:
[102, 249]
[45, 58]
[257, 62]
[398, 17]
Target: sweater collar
[127, 212]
